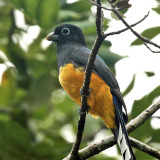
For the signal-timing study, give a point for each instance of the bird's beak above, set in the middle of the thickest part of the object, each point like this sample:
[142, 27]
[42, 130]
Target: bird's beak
[52, 37]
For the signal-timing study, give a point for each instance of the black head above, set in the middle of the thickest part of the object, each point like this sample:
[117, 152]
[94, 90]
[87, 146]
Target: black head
[67, 33]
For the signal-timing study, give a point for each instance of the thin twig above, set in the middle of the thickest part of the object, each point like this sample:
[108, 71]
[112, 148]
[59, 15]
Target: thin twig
[129, 27]
[95, 4]
[123, 30]
[151, 49]
[145, 148]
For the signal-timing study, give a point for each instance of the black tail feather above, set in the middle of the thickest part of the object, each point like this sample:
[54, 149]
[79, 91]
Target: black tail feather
[121, 135]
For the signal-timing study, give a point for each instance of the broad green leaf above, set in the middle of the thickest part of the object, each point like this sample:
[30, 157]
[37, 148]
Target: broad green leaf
[17, 56]
[41, 90]
[157, 9]
[30, 7]
[1, 60]
[47, 13]
[18, 3]
[79, 6]
[66, 15]
[139, 106]
[43, 151]
[15, 141]
[148, 33]
[7, 88]
[150, 74]
[37, 68]
[130, 87]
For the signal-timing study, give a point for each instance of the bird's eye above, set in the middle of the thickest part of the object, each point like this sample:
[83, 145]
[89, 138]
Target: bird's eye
[65, 31]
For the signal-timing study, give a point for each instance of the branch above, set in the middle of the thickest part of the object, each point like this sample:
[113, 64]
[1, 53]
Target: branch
[151, 49]
[129, 27]
[95, 4]
[145, 40]
[145, 148]
[110, 141]
[85, 88]
[125, 29]
[138, 121]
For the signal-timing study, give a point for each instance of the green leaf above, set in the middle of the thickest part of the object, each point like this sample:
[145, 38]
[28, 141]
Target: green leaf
[7, 88]
[41, 90]
[148, 33]
[66, 15]
[130, 87]
[150, 74]
[79, 6]
[157, 9]
[139, 106]
[17, 56]
[30, 7]
[18, 3]
[1, 61]
[47, 13]
[15, 141]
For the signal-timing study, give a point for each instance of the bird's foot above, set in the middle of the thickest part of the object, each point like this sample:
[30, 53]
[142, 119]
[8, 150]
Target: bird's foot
[83, 112]
[85, 94]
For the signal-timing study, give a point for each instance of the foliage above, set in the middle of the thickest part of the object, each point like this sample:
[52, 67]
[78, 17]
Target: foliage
[34, 110]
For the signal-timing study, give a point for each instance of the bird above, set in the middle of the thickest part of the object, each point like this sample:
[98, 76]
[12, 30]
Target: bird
[105, 99]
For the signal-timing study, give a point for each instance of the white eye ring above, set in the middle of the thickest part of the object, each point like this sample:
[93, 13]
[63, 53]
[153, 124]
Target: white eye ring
[65, 31]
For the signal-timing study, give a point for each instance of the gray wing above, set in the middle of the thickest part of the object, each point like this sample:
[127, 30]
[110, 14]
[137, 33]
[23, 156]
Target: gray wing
[80, 58]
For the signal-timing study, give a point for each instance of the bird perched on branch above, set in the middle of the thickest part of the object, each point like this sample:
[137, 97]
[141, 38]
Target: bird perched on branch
[105, 99]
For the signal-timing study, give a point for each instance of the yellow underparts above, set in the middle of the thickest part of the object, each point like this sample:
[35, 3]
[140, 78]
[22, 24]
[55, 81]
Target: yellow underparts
[100, 100]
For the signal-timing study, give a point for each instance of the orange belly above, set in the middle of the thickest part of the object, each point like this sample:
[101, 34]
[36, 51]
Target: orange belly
[100, 100]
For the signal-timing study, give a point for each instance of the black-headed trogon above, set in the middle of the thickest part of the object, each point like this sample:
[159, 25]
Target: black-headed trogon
[105, 99]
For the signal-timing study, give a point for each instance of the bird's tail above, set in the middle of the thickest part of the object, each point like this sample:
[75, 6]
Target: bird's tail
[121, 134]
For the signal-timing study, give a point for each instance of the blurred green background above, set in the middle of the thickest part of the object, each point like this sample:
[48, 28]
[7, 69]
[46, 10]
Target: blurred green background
[38, 120]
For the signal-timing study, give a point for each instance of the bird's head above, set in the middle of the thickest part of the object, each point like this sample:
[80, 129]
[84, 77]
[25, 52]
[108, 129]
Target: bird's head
[67, 33]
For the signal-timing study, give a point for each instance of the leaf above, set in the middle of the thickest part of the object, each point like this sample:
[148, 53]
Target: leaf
[121, 4]
[1, 61]
[40, 90]
[79, 6]
[7, 88]
[14, 141]
[18, 3]
[114, 16]
[30, 7]
[148, 33]
[139, 106]
[66, 15]
[150, 74]
[157, 9]
[47, 13]
[17, 56]
[130, 87]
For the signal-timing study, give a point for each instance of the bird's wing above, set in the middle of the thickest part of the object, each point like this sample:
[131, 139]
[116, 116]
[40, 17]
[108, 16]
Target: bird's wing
[80, 57]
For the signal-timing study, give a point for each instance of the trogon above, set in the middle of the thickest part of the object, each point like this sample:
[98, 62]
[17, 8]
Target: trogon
[105, 99]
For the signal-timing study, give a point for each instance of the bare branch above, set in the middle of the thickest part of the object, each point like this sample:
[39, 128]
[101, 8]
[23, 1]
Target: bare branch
[95, 4]
[145, 148]
[151, 49]
[145, 40]
[125, 29]
[139, 120]
[133, 31]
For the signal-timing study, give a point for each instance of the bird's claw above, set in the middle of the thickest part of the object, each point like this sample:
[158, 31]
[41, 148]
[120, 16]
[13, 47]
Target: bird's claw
[83, 112]
[85, 94]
